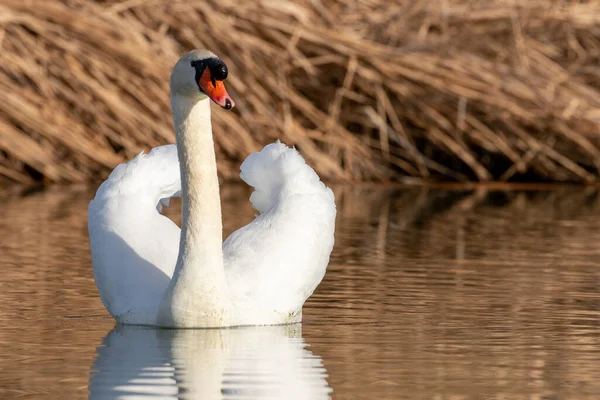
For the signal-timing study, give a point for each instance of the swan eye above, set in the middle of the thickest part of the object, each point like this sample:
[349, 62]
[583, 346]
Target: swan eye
[216, 66]
[210, 74]
[218, 70]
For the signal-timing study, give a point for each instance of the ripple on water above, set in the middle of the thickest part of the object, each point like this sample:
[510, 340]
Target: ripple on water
[430, 294]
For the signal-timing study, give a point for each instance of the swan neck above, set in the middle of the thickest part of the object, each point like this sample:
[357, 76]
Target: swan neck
[200, 251]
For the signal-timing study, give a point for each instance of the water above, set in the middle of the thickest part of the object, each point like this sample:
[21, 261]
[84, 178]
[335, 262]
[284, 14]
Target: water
[431, 294]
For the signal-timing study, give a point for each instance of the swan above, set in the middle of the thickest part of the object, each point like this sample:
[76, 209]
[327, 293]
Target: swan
[149, 272]
[263, 362]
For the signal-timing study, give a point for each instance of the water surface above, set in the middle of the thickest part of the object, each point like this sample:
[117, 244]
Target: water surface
[431, 294]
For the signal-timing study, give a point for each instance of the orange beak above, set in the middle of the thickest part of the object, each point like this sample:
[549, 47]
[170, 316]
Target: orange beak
[215, 90]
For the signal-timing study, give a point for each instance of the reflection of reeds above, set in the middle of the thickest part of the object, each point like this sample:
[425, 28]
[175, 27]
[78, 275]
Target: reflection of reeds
[426, 286]
[366, 90]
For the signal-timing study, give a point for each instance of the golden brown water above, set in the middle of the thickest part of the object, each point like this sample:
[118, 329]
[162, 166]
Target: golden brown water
[430, 294]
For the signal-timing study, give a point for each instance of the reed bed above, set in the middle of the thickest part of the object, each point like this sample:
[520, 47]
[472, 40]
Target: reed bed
[366, 89]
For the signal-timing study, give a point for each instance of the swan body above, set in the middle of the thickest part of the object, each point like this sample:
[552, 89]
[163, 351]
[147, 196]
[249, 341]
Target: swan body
[149, 272]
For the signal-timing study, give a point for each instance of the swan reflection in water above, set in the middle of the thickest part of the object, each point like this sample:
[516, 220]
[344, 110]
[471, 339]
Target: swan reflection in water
[266, 362]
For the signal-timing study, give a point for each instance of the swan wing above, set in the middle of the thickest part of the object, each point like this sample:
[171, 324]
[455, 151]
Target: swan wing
[134, 248]
[277, 260]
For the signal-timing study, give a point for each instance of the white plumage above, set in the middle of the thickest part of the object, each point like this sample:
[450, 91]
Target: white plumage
[150, 272]
[280, 257]
[134, 248]
[272, 264]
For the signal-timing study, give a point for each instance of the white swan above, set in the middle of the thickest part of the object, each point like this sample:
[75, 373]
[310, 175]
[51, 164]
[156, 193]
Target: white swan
[148, 272]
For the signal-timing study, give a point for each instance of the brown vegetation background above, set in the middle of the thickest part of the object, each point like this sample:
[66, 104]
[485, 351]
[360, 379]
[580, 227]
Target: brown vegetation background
[366, 89]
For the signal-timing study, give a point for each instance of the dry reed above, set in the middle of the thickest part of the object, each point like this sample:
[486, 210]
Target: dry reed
[366, 89]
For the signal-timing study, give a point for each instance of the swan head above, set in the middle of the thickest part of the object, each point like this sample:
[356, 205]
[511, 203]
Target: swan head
[200, 74]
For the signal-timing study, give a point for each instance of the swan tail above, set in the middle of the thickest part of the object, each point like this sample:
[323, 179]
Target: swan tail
[278, 169]
[154, 175]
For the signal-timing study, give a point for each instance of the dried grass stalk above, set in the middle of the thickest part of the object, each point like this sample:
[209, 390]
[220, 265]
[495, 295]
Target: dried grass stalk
[458, 89]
